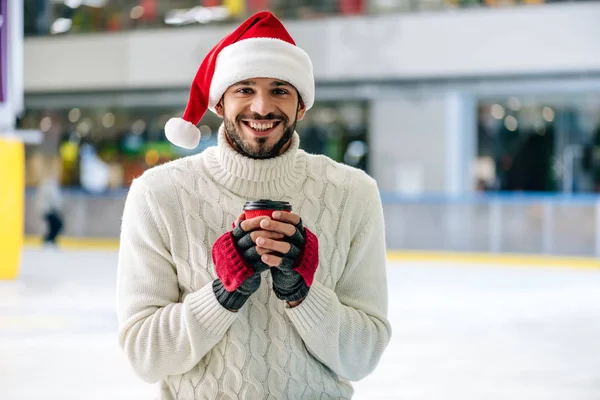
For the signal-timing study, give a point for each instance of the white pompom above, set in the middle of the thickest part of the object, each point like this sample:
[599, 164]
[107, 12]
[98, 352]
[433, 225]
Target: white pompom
[182, 133]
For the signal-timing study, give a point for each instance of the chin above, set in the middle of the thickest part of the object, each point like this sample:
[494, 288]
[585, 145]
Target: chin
[258, 144]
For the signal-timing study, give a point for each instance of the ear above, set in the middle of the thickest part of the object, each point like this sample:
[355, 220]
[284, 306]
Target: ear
[301, 110]
[219, 108]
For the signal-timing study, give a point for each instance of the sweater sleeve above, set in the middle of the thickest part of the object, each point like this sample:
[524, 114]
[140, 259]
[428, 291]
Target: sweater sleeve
[160, 335]
[347, 328]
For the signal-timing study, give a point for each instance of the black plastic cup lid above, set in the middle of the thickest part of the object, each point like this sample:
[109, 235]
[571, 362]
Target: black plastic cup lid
[268, 205]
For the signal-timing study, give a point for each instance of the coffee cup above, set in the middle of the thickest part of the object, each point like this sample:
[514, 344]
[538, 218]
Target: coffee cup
[265, 207]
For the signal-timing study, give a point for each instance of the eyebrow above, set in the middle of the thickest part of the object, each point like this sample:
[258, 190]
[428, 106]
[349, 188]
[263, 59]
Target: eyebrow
[252, 83]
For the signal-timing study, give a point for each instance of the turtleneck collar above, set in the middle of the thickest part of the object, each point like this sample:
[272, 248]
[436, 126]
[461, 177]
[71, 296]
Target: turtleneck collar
[256, 179]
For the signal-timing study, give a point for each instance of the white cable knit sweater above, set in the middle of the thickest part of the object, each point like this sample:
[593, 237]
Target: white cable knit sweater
[171, 326]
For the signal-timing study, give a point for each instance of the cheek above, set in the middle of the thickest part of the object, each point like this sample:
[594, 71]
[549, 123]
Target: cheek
[291, 119]
[234, 118]
[289, 115]
[232, 109]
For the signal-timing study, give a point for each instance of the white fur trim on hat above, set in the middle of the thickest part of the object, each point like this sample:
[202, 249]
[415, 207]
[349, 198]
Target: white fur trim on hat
[263, 58]
[182, 133]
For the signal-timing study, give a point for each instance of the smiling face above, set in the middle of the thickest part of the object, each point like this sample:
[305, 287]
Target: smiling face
[260, 116]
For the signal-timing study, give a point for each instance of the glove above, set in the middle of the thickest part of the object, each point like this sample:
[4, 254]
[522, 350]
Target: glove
[247, 249]
[294, 276]
[238, 278]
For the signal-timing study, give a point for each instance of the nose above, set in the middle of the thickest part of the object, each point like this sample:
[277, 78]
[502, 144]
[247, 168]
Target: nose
[261, 103]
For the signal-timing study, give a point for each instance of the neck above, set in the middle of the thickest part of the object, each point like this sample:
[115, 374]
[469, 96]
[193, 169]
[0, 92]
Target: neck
[254, 178]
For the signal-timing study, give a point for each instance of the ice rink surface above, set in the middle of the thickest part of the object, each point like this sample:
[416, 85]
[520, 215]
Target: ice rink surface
[460, 332]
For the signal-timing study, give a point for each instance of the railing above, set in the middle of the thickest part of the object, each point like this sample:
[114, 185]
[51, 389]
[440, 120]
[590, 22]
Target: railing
[80, 16]
[551, 224]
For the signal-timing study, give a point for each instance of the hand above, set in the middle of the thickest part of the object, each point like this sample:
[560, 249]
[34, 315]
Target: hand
[245, 233]
[294, 260]
[277, 252]
[238, 278]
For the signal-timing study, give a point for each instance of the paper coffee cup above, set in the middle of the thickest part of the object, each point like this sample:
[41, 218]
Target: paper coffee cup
[265, 207]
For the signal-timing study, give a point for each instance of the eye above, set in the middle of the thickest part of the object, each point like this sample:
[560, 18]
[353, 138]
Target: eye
[244, 90]
[280, 91]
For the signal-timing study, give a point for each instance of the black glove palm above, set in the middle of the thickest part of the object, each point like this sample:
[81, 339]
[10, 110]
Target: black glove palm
[288, 284]
[247, 249]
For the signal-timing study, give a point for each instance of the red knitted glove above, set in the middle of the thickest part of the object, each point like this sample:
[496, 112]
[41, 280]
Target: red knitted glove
[231, 268]
[307, 263]
[237, 279]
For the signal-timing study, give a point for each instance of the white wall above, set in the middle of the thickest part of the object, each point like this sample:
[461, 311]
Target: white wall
[408, 138]
[487, 42]
[423, 143]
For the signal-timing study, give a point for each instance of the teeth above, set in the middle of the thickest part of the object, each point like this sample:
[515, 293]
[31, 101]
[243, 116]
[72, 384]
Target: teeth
[261, 127]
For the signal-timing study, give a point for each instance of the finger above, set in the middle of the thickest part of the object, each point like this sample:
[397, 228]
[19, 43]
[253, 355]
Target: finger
[252, 223]
[251, 254]
[266, 234]
[273, 245]
[261, 250]
[293, 253]
[245, 242]
[285, 216]
[297, 238]
[277, 226]
[286, 264]
[239, 219]
[271, 260]
[238, 233]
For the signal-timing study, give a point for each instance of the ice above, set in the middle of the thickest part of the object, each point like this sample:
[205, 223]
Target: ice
[459, 333]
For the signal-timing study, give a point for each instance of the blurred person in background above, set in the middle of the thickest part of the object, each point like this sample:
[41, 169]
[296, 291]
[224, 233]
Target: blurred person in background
[211, 304]
[94, 173]
[49, 205]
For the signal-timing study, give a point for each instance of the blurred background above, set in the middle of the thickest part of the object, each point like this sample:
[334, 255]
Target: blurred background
[483, 112]
[479, 119]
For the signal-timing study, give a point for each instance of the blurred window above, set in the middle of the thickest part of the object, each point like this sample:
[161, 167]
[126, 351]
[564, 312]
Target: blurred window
[539, 144]
[129, 139]
[57, 17]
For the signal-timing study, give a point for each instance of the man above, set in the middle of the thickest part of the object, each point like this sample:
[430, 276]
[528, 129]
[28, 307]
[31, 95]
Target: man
[213, 305]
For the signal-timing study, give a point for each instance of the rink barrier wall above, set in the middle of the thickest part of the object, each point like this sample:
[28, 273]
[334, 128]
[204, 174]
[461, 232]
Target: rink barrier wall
[393, 256]
[500, 260]
[541, 224]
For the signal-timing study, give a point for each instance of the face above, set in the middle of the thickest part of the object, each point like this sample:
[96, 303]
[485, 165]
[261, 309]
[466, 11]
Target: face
[260, 116]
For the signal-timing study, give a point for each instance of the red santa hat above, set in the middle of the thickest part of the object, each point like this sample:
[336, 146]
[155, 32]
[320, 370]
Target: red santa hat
[261, 47]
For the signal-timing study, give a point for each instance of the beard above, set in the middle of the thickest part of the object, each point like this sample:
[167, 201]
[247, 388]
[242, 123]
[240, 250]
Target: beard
[260, 148]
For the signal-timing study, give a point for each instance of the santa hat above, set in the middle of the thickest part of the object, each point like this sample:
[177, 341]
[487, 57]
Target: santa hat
[261, 47]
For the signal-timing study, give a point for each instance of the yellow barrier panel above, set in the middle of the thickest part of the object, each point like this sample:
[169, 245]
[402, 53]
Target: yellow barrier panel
[12, 198]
